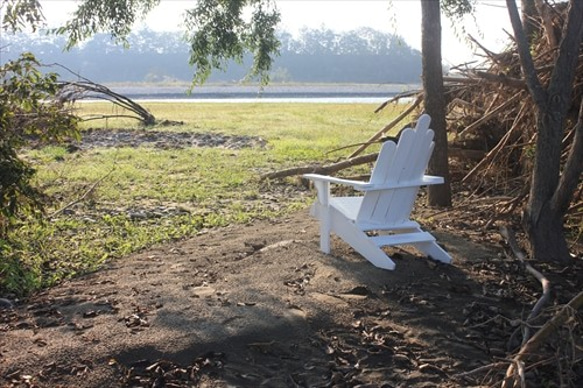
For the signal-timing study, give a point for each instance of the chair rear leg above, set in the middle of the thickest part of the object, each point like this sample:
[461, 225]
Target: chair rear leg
[360, 241]
[436, 252]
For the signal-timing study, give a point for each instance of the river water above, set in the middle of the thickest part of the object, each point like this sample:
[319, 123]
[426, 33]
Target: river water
[352, 93]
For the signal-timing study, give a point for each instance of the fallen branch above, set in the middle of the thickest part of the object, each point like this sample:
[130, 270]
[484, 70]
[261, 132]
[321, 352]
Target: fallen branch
[545, 284]
[83, 89]
[461, 80]
[460, 102]
[81, 198]
[324, 170]
[71, 91]
[468, 154]
[492, 154]
[530, 347]
[383, 139]
[515, 372]
[480, 369]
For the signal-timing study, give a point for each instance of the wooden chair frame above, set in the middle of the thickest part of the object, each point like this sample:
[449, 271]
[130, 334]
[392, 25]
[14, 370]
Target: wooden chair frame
[387, 202]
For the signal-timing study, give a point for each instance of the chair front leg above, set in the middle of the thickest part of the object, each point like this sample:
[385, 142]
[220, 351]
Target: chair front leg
[324, 214]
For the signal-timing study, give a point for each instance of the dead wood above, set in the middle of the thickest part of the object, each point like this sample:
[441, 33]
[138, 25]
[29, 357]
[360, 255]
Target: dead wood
[389, 126]
[490, 156]
[460, 80]
[325, 170]
[508, 234]
[489, 115]
[544, 11]
[517, 83]
[396, 99]
[87, 89]
[83, 88]
[530, 344]
[529, 349]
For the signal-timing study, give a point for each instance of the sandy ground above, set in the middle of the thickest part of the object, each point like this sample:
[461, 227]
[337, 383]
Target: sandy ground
[259, 305]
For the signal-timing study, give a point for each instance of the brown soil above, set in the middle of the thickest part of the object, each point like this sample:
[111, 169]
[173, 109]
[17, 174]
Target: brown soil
[259, 305]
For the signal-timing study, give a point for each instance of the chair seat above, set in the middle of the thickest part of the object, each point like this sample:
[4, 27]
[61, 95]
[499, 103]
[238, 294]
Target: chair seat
[350, 207]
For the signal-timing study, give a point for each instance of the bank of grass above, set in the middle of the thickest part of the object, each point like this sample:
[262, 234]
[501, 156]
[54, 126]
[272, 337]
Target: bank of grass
[110, 202]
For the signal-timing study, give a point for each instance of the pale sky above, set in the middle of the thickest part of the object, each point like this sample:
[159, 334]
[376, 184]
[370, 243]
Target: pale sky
[402, 17]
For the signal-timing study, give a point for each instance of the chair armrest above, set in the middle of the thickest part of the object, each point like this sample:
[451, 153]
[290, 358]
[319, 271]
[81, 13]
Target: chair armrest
[432, 180]
[425, 181]
[366, 186]
[358, 185]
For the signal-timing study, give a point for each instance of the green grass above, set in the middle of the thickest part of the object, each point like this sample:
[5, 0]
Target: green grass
[110, 202]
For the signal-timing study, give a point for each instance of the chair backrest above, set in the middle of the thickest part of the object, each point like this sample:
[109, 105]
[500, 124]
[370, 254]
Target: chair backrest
[398, 163]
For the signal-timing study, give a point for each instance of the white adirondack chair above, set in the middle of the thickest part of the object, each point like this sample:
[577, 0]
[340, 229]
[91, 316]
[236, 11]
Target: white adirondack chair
[386, 206]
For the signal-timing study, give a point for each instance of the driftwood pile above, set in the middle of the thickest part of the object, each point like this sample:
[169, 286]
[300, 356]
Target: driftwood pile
[491, 111]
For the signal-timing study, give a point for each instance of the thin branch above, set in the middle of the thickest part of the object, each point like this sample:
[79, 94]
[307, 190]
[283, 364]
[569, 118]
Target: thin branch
[490, 114]
[572, 170]
[105, 117]
[502, 79]
[537, 91]
[390, 125]
[491, 155]
[411, 93]
[482, 368]
[71, 90]
[81, 198]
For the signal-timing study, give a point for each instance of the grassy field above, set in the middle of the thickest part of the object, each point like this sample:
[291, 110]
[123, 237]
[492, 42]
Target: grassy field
[111, 201]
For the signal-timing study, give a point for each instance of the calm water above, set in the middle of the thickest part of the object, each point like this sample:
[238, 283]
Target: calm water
[373, 94]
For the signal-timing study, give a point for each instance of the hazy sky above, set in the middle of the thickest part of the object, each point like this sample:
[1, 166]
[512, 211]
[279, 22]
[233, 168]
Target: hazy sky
[402, 17]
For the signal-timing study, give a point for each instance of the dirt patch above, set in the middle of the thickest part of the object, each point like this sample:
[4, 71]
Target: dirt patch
[259, 305]
[99, 138]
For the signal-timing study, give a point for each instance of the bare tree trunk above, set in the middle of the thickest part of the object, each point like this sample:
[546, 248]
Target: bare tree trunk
[551, 190]
[543, 222]
[546, 235]
[438, 195]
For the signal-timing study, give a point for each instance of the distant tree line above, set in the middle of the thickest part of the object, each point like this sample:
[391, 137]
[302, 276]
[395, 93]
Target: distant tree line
[315, 55]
